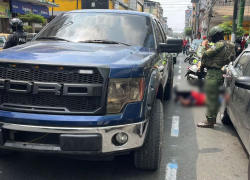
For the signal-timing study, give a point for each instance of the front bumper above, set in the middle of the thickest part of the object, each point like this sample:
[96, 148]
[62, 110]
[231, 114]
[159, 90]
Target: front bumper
[136, 135]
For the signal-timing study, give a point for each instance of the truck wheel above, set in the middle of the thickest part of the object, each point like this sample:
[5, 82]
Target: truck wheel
[148, 157]
[225, 119]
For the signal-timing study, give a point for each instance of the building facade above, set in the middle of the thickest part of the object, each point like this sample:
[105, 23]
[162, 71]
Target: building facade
[5, 16]
[188, 16]
[153, 8]
[165, 24]
[170, 32]
[215, 11]
[11, 8]
[64, 6]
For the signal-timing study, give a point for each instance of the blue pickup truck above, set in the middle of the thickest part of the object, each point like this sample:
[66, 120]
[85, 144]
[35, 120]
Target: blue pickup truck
[91, 83]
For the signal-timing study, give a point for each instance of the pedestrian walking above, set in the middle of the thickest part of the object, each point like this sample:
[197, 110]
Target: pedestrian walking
[214, 58]
[184, 45]
[18, 37]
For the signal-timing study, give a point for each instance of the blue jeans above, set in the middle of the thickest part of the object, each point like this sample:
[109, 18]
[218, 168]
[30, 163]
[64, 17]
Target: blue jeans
[184, 50]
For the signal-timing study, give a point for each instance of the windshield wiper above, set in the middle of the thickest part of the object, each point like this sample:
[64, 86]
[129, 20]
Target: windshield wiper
[104, 42]
[52, 38]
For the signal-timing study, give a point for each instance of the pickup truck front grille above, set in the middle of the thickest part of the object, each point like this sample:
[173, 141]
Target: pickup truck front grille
[82, 80]
[42, 74]
[71, 103]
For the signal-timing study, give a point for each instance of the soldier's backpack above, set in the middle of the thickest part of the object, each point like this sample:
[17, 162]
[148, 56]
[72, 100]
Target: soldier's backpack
[222, 58]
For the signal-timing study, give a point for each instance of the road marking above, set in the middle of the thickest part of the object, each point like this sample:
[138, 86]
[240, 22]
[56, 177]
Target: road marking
[180, 67]
[175, 126]
[179, 77]
[171, 171]
[179, 71]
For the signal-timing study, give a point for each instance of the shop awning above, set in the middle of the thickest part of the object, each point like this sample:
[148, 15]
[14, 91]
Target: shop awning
[42, 3]
[28, 7]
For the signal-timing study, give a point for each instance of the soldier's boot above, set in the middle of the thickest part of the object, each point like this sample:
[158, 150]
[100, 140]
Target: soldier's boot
[207, 124]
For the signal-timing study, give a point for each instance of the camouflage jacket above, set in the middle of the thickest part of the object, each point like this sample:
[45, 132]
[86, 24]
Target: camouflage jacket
[218, 55]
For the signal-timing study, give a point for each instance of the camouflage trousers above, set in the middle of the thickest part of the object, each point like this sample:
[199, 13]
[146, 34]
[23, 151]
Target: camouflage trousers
[214, 80]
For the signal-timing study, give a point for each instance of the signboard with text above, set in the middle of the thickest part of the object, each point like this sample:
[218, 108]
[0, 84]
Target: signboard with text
[5, 10]
[25, 7]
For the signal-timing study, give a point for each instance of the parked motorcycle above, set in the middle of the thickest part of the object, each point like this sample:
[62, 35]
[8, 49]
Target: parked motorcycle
[193, 74]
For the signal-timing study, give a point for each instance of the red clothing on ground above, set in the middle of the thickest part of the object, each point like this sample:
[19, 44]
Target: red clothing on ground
[243, 44]
[200, 98]
[184, 43]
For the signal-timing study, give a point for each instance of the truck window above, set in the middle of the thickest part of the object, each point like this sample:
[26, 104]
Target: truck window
[158, 33]
[134, 30]
[242, 63]
[162, 32]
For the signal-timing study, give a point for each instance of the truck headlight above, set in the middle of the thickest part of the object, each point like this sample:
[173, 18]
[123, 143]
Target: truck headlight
[122, 91]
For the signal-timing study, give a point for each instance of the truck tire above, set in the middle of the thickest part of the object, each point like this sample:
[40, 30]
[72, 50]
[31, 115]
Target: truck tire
[148, 157]
[225, 119]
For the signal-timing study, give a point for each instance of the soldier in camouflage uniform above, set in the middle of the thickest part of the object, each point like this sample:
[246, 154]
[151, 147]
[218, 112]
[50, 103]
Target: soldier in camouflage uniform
[214, 58]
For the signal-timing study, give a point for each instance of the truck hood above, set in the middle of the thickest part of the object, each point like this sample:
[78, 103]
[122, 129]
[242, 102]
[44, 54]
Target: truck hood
[66, 53]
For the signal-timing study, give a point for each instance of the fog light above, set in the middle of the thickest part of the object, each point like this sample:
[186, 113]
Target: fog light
[120, 139]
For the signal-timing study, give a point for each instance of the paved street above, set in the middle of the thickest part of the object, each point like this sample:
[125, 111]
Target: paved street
[188, 153]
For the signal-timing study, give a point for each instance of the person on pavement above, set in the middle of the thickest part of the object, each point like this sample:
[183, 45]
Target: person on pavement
[184, 45]
[18, 37]
[189, 98]
[214, 58]
[238, 48]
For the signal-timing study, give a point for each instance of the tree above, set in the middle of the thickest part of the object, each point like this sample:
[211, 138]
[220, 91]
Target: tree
[227, 25]
[31, 19]
[27, 28]
[188, 31]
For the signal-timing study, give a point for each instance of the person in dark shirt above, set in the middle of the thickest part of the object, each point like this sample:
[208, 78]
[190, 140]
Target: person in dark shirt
[18, 37]
[238, 47]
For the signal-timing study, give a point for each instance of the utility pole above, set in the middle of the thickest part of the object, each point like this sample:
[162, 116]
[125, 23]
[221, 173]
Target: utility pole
[197, 19]
[234, 20]
[241, 13]
[53, 10]
[209, 16]
[195, 9]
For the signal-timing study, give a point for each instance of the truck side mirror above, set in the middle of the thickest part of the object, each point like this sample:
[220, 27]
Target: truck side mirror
[243, 82]
[171, 46]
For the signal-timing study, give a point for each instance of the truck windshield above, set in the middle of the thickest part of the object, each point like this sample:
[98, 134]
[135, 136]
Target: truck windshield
[134, 30]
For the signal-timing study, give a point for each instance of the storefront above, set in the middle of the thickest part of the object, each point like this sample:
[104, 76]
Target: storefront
[5, 15]
[27, 7]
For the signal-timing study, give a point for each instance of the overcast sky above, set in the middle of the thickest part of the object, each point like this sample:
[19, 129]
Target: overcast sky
[175, 11]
